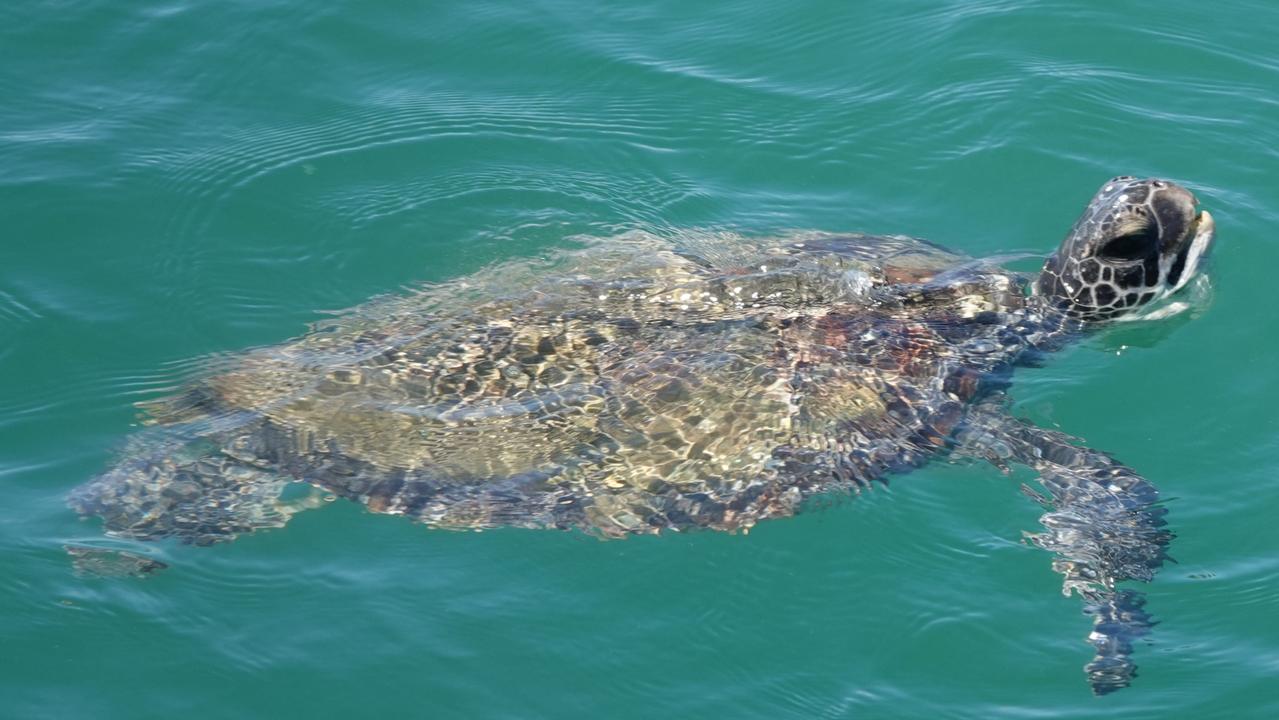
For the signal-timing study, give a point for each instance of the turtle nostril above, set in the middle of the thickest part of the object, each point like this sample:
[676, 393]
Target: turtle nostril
[1159, 183]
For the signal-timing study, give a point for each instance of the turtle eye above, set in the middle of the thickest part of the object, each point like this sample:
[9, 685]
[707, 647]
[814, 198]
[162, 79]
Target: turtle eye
[1132, 246]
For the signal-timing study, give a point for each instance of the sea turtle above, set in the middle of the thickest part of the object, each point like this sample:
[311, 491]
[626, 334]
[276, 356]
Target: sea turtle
[642, 384]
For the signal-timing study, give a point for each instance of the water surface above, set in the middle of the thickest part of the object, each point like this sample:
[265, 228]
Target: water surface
[186, 178]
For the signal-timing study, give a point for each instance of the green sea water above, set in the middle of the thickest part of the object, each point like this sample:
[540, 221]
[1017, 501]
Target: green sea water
[185, 178]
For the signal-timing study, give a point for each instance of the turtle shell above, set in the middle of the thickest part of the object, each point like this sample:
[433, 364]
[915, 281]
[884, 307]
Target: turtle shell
[630, 385]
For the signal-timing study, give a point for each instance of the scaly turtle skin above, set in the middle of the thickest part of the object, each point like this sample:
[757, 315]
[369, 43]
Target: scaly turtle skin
[641, 384]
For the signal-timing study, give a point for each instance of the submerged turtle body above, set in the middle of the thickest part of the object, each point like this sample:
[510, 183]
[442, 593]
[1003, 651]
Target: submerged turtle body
[623, 388]
[643, 384]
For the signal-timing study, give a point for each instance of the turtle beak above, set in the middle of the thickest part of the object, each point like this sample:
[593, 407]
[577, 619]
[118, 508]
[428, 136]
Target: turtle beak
[1205, 230]
[1196, 250]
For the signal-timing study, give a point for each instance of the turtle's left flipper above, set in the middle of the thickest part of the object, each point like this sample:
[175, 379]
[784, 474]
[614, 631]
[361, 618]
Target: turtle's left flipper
[1104, 524]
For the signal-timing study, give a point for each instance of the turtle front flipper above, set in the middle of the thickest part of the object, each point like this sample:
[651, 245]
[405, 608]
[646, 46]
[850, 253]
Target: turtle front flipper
[1103, 523]
[1104, 526]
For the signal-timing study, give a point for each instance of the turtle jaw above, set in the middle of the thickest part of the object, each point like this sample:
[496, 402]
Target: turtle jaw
[1186, 260]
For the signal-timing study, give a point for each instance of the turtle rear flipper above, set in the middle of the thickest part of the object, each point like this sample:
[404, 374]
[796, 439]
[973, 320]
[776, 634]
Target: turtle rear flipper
[106, 562]
[208, 499]
[1103, 522]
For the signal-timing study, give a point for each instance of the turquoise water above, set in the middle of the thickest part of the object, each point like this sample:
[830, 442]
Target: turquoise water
[187, 178]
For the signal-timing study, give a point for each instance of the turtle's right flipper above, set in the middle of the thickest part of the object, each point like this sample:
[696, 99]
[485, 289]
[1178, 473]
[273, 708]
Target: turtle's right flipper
[1104, 526]
[1103, 522]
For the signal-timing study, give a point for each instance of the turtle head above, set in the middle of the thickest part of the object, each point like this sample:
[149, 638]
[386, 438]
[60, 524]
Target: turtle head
[1138, 241]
